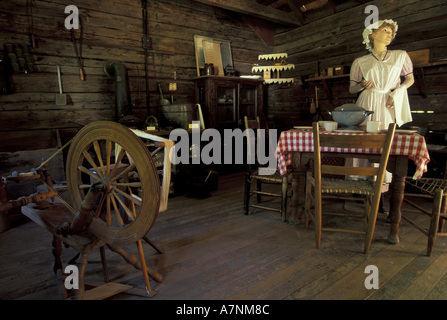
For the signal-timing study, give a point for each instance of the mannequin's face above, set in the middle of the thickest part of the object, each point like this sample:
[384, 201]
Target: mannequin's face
[383, 35]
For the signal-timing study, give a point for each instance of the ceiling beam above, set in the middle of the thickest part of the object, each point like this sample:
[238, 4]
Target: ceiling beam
[264, 29]
[251, 8]
[332, 5]
[296, 10]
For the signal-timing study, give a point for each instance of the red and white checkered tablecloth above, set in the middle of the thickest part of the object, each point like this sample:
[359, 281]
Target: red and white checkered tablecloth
[411, 145]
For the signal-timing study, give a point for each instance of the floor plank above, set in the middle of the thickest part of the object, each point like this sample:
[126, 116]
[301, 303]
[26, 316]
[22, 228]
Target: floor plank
[213, 251]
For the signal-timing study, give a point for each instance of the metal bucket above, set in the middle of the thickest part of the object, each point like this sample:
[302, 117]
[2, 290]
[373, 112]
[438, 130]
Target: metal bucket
[180, 115]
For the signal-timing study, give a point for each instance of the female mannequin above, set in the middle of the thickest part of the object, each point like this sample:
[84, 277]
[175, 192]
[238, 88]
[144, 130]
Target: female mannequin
[377, 76]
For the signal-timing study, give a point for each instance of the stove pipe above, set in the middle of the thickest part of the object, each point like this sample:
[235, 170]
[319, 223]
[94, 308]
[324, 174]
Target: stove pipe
[123, 105]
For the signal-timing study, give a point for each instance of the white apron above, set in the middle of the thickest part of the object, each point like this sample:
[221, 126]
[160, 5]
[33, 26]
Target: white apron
[385, 75]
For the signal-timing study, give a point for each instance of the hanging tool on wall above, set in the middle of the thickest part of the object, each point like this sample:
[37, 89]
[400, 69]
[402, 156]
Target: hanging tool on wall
[317, 115]
[78, 52]
[147, 41]
[29, 14]
[61, 98]
[147, 45]
[313, 109]
[163, 101]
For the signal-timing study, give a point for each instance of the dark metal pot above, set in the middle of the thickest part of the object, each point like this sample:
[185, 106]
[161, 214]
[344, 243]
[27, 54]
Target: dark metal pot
[180, 115]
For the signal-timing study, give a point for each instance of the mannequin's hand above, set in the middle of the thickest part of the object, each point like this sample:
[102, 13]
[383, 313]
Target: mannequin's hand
[366, 84]
[390, 102]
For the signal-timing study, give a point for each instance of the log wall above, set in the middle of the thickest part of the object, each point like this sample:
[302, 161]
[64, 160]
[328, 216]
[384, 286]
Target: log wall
[336, 40]
[112, 30]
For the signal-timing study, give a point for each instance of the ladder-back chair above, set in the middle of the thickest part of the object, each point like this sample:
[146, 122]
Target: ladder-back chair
[434, 189]
[253, 175]
[318, 186]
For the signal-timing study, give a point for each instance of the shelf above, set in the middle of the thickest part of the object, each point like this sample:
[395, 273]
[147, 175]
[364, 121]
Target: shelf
[273, 68]
[419, 69]
[279, 80]
[328, 77]
[228, 78]
[273, 56]
[432, 64]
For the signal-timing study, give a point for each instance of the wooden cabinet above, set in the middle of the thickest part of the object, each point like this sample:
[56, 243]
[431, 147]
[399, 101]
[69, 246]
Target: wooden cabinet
[226, 100]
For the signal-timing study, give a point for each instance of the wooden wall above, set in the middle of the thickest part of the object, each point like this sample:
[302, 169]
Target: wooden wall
[336, 40]
[112, 30]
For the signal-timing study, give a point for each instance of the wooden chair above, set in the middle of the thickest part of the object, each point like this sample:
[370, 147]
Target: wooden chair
[317, 186]
[434, 189]
[253, 175]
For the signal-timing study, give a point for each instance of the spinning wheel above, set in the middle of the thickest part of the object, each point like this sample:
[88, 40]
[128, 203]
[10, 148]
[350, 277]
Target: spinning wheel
[109, 154]
[115, 195]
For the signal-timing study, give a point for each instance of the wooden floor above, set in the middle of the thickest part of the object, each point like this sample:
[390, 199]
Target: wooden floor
[213, 251]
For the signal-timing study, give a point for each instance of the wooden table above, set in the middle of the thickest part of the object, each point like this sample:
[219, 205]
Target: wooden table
[295, 149]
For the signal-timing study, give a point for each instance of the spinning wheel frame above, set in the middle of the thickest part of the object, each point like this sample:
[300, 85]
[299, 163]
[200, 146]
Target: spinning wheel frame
[88, 142]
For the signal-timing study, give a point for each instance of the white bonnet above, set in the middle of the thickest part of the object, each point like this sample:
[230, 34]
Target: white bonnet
[376, 25]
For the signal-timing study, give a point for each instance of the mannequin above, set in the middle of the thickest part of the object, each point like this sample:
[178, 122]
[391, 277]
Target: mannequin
[377, 76]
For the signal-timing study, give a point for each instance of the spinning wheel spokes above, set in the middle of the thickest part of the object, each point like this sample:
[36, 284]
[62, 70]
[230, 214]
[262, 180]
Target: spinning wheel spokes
[110, 154]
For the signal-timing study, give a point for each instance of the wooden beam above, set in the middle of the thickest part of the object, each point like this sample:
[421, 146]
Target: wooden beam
[332, 5]
[266, 2]
[264, 29]
[296, 10]
[251, 8]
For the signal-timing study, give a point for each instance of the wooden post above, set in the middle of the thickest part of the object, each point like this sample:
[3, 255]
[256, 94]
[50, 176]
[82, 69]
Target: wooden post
[4, 219]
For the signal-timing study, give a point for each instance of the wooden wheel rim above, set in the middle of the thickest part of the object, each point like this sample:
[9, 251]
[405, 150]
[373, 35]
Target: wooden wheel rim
[144, 166]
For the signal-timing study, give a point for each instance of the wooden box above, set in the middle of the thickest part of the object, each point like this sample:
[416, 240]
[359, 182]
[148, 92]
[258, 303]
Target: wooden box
[338, 71]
